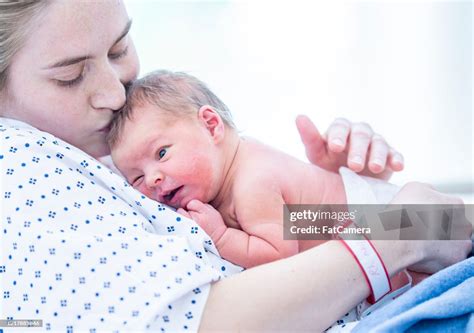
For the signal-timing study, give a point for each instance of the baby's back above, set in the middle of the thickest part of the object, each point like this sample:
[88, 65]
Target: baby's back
[298, 181]
[263, 170]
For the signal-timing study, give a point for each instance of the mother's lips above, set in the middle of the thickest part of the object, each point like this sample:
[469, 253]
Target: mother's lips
[105, 128]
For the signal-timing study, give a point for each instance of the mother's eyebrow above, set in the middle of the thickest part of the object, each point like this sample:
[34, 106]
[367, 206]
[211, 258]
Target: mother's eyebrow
[75, 60]
[67, 62]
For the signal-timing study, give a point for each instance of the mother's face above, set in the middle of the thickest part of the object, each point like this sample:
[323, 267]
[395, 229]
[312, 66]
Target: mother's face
[68, 77]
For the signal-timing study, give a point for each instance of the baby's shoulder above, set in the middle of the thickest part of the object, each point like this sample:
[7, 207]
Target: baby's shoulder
[258, 162]
[260, 170]
[265, 170]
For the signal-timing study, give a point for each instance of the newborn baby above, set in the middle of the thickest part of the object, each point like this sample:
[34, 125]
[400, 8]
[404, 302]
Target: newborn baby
[175, 141]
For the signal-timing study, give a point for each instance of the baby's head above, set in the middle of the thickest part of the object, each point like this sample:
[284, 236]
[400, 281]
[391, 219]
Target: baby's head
[171, 138]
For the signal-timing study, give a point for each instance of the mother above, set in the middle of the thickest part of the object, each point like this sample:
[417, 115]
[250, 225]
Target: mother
[81, 250]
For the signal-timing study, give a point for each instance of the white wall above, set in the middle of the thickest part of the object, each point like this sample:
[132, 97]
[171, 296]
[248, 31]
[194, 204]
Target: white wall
[404, 67]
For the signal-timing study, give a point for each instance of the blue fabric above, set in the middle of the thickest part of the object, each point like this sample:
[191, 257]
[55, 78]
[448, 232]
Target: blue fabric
[444, 302]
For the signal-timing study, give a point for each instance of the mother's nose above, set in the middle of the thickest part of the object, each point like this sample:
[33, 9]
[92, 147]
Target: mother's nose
[109, 91]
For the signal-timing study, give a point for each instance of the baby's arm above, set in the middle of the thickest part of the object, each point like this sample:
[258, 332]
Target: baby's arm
[256, 246]
[261, 239]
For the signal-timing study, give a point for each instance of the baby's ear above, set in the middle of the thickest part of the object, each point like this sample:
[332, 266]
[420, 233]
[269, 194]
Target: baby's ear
[212, 122]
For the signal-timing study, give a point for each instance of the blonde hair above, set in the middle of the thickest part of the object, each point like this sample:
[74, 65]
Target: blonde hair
[175, 92]
[15, 22]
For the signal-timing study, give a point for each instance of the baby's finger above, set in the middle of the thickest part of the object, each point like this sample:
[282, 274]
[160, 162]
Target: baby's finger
[196, 205]
[195, 217]
[378, 154]
[361, 136]
[183, 212]
[395, 160]
[337, 134]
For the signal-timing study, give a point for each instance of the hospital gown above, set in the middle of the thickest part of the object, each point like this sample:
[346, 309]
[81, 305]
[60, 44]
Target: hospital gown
[83, 251]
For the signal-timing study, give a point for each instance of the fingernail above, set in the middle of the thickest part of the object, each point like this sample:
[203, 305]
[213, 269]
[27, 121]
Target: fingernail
[357, 160]
[398, 159]
[337, 142]
[377, 161]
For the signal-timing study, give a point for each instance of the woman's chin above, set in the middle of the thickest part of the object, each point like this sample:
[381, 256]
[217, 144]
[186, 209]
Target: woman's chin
[97, 150]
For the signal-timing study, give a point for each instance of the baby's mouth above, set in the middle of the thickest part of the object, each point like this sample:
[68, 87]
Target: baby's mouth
[169, 197]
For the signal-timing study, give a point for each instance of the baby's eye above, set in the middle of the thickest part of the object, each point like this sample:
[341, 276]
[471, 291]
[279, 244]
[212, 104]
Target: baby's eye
[162, 152]
[136, 182]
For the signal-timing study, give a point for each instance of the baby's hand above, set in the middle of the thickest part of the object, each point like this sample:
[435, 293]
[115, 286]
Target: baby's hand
[207, 217]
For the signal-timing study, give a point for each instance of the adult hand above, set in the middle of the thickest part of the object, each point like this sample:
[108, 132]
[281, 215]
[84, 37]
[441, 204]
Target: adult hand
[354, 145]
[436, 254]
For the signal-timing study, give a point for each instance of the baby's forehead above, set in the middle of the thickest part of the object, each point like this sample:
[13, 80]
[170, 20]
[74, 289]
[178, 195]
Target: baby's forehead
[168, 113]
[157, 120]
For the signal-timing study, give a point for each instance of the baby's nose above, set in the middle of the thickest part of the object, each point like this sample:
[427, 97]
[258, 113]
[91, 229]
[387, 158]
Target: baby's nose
[154, 180]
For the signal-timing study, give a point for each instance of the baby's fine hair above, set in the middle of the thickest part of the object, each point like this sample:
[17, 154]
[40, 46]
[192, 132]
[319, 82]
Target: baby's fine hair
[175, 92]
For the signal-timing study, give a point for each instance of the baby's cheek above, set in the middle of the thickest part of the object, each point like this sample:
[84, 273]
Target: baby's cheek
[193, 171]
[198, 172]
[146, 191]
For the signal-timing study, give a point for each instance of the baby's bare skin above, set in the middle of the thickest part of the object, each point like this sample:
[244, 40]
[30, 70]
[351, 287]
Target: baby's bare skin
[261, 180]
[233, 187]
[211, 166]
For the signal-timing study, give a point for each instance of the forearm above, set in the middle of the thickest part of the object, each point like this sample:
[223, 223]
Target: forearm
[306, 292]
[247, 251]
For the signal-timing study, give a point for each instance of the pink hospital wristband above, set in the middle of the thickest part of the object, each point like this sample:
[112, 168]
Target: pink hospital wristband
[371, 265]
